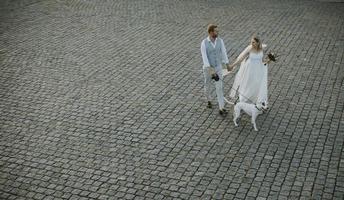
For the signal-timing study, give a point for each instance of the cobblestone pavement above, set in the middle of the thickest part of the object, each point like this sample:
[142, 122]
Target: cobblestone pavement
[104, 100]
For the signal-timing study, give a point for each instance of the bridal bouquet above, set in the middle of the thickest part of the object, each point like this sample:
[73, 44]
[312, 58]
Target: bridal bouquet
[271, 57]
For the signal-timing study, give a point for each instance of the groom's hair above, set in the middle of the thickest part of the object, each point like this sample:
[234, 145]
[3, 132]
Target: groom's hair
[211, 28]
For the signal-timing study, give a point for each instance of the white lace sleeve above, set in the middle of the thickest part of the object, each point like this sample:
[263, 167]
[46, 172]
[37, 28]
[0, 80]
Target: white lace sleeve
[204, 55]
[224, 53]
[244, 54]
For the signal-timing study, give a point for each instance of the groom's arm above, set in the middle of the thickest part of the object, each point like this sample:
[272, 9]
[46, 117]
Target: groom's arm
[204, 55]
[224, 53]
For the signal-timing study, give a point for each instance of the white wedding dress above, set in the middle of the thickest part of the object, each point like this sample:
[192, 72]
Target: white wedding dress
[251, 81]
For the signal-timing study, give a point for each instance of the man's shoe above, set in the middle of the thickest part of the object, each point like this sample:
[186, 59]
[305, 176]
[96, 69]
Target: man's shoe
[209, 105]
[223, 112]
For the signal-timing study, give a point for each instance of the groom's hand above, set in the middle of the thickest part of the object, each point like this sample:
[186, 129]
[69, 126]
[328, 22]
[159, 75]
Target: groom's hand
[215, 77]
[211, 71]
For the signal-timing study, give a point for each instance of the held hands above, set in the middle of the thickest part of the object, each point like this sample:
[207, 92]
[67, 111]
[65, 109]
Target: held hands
[230, 67]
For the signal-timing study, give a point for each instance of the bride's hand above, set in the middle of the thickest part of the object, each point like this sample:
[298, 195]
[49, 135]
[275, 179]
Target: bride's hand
[267, 61]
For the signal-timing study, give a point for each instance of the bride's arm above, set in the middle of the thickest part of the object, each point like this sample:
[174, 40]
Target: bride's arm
[242, 56]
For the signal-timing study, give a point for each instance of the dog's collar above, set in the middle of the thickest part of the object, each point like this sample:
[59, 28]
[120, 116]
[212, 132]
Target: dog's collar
[258, 108]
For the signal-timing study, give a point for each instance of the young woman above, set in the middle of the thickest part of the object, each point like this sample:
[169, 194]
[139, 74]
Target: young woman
[251, 81]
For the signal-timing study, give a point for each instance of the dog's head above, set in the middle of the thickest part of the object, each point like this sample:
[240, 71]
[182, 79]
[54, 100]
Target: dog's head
[263, 106]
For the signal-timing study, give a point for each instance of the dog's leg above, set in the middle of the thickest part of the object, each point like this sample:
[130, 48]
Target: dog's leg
[254, 117]
[236, 114]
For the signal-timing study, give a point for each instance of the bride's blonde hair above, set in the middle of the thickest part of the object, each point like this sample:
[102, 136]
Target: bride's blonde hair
[259, 43]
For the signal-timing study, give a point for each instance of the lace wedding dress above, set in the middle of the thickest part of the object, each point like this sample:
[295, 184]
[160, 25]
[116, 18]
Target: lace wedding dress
[251, 81]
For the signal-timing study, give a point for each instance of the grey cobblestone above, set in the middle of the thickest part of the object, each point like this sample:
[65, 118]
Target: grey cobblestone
[104, 100]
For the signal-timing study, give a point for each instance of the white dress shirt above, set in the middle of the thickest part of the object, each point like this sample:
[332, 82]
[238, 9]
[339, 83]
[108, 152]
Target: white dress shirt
[204, 52]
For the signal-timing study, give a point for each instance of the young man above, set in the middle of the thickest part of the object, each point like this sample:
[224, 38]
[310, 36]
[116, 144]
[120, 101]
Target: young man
[214, 54]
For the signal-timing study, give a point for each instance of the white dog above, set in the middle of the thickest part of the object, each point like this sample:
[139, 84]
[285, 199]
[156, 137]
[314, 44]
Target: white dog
[250, 109]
